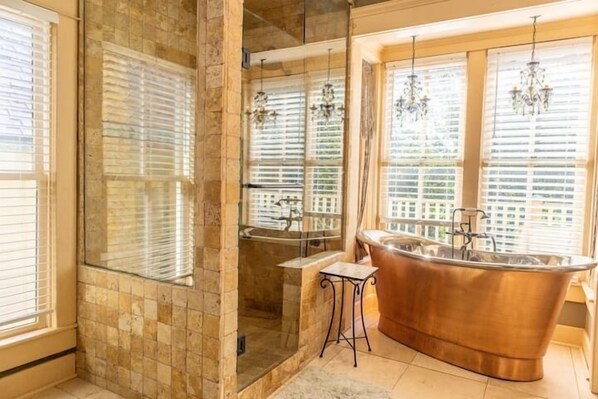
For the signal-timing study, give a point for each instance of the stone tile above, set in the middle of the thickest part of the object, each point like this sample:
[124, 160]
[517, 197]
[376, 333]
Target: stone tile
[493, 392]
[421, 383]
[79, 388]
[373, 369]
[105, 395]
[382, 346]
[559, 377]
[428, 362]
[53, 393]
[330, 353]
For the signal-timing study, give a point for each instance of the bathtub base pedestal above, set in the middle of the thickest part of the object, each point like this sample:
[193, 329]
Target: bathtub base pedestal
[477, 361]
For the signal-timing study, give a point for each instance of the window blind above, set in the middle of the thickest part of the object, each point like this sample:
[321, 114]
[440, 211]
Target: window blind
[148, 142]
[422, 161]
[324, 155]
[25, 160]
[534, 173]
[276, 154]
[303, 154]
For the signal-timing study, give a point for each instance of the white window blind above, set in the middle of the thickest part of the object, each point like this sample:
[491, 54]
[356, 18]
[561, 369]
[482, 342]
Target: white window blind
[300, 154]
[324, 156]
[276, 154]
[421, 174]
[25, 161]
[148, 142]
[535, 169]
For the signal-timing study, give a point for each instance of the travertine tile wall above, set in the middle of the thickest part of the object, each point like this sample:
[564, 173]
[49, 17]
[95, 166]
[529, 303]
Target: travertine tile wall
[140, 338]
[262, 279]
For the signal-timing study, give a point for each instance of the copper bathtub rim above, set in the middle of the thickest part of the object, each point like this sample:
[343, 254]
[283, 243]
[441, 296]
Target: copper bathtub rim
[582, 263]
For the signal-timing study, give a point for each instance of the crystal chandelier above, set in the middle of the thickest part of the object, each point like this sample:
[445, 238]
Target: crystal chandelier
[260, 115]
[534, 95]
[327, 108]
[412, 102]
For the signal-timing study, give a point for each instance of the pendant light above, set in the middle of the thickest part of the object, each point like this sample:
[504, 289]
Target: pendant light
[412, 103]
[327, 108]
[261, 115]
[534, 95]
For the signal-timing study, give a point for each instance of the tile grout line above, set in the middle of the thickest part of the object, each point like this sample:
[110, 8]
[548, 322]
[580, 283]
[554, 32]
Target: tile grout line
[485, 389]
[574, 372]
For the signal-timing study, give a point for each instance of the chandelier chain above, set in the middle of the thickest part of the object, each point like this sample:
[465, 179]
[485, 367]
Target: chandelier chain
[413, 55]
[535, 18]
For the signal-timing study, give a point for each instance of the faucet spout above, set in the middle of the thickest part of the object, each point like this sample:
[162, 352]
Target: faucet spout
[465, 229]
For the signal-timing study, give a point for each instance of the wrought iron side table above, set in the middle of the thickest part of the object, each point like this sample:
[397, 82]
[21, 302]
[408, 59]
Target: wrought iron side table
[357, 276]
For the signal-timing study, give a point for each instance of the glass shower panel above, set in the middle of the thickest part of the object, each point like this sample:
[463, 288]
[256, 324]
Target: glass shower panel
[293, 123]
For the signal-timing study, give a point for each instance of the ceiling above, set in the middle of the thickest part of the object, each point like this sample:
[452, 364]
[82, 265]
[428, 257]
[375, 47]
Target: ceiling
[509, 19]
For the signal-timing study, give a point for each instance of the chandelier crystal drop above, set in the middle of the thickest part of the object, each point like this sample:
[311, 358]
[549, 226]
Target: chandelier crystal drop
[534, 95]
[327, 108]
[412, 103]
[261, 115]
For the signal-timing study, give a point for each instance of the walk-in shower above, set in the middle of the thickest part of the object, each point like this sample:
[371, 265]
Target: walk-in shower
[292, 166]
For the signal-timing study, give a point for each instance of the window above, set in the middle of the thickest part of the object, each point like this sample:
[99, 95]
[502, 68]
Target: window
[148, 140]
[276, 154]
[534, 170]
[297, 161]
[25, 164]
[422, 161]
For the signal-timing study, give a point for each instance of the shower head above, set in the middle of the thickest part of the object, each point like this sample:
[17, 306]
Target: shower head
[484, 215]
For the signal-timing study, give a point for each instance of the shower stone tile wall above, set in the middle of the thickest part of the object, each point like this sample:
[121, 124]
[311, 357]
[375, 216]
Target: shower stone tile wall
[260, 288]
[137, 337]
[263, 278]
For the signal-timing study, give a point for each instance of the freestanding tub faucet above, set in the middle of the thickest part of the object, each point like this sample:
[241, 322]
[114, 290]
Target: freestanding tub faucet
[294, 212]
[465, 230]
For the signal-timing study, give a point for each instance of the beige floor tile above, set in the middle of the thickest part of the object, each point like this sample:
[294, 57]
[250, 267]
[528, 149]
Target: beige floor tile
[582, 374]
[428, 362]
[421, 383]
[384, 346]
[331, 351]
[52, 393]
[105, 395]
[79, 388]
[372, 369]
[493, 392]
[559, 380]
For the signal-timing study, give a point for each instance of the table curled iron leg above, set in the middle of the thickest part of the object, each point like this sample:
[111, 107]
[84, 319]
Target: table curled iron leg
[365, 331]
[326, 281]
[355, 292]
[340, 319]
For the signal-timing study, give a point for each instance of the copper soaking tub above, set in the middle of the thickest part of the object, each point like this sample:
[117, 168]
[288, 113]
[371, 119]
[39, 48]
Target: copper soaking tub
[493, 314]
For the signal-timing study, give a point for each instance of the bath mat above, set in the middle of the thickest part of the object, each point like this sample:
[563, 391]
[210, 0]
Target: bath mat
[317, 383]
